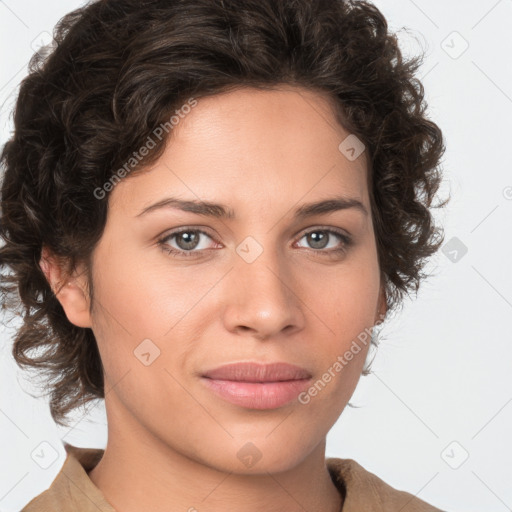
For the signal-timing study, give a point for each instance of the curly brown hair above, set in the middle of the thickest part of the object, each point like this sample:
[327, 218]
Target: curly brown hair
[117, 69]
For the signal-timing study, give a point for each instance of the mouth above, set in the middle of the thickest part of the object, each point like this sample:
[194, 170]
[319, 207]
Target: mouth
[257, 386]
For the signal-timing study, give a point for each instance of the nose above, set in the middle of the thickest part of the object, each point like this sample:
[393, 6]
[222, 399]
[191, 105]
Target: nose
[263, 299]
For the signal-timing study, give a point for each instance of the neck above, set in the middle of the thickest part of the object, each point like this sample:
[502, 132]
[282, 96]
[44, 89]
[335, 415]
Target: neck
[139, 471]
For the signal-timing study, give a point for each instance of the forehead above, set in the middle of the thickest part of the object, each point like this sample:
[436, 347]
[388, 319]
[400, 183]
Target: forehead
[252, 147]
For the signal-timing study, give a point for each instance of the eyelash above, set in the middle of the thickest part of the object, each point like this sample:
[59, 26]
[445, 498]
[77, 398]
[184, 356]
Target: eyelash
[345, 240]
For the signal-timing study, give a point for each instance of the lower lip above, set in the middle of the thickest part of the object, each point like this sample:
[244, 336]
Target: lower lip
[257, 395]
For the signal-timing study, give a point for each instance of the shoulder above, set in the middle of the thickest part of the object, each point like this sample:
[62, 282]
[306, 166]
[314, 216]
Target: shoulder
[365, 491]
[72, 489]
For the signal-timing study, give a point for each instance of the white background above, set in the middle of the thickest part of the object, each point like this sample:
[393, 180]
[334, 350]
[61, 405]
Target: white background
[442, 387]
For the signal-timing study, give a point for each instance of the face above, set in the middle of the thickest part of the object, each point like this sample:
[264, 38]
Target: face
[179, 293]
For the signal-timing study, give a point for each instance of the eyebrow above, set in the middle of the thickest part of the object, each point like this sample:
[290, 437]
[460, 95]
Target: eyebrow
[220, 211]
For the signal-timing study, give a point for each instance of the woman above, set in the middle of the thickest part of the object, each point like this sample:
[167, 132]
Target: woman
[207, 206]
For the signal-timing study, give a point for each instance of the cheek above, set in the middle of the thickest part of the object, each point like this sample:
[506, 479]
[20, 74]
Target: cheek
[139, 298]
[344, 311]
[345, 298]
[148, 318]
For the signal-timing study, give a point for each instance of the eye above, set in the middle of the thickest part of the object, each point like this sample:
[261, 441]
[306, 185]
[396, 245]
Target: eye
[189, 242]
[320, 239]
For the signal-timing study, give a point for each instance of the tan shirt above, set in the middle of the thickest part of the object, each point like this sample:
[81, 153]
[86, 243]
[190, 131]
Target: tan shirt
[72, 490]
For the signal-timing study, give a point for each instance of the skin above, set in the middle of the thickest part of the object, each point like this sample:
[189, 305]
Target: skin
[172, 443]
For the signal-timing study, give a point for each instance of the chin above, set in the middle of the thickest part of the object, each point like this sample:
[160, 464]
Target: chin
[259, 456]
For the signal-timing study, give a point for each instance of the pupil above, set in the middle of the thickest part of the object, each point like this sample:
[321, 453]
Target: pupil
[318, 239]
[190, 243]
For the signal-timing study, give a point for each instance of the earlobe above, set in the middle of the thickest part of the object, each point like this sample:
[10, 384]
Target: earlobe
[382, 307]
[69, 290]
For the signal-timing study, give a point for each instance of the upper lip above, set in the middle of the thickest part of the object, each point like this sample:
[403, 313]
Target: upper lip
[258, 372]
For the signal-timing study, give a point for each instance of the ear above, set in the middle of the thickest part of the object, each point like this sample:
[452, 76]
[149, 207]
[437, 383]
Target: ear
[70, 290]
[382, 306]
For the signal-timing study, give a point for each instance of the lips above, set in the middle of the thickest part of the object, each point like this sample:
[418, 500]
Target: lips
[257, 372]
[257, 386]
